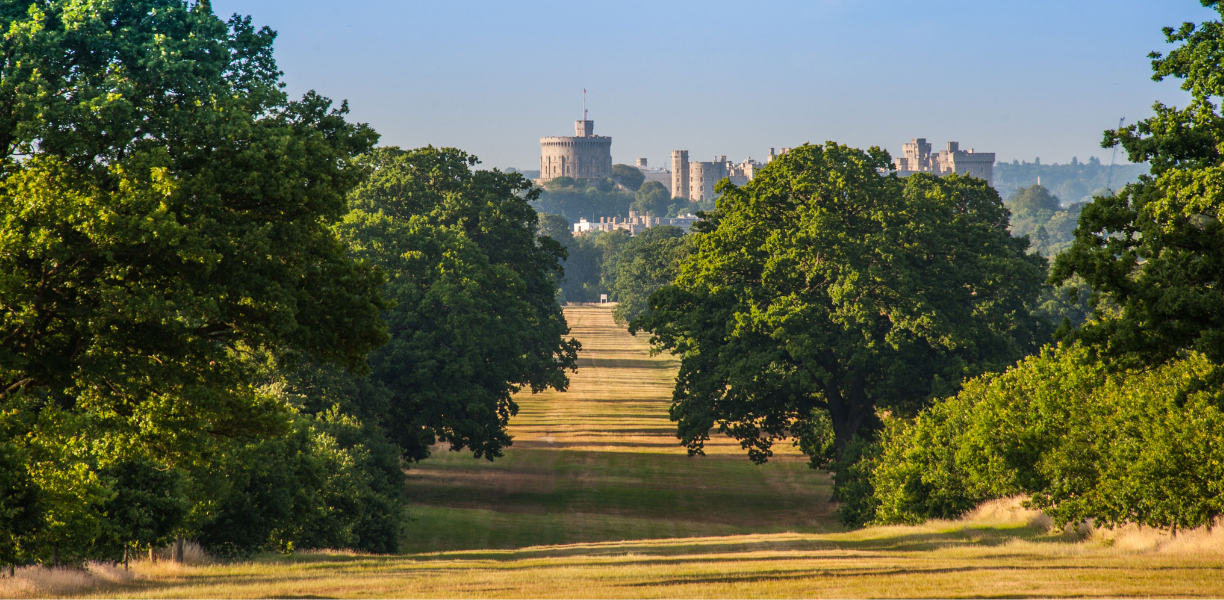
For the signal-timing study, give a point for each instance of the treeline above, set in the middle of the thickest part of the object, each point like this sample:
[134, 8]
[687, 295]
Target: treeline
[627, 190]
[228, 316]
[1073, 182]
[626, 268]
[898, 332]
[1044, 219]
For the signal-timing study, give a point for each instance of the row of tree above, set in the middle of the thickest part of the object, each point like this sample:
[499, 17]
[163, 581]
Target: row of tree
[1073, 182]
[824, 303]
[625, 268]
[227, 315]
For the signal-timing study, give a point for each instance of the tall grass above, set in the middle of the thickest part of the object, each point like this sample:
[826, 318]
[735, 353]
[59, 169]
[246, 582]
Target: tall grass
[98, 576]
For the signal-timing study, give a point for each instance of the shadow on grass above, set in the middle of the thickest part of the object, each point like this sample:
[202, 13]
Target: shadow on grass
[782, 575]
[645, 364]
[699, 547]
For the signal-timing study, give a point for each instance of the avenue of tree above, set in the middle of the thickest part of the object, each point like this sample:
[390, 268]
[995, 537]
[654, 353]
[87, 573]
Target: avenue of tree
[230, 316]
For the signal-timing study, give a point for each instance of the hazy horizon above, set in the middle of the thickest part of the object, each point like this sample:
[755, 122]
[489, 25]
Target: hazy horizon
[1039, 79]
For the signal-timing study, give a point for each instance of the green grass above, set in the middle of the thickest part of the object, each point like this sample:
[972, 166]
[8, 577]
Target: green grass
[601, 462]
[596, 499]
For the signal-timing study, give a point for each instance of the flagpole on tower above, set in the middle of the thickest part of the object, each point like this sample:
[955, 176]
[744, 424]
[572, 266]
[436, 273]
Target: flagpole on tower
[584, 113]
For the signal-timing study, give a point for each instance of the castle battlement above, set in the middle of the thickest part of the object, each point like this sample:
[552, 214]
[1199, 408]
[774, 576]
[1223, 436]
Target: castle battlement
[582, 156]
[917, 158]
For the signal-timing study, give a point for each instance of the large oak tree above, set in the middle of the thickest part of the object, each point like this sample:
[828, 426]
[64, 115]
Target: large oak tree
[476, 317]
[823, 285]
[166, 212]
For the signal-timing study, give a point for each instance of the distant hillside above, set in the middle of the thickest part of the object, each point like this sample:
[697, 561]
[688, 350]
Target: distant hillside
[1074, 182]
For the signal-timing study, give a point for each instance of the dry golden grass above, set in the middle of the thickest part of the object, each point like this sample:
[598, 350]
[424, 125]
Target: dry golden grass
[597, 500]
[998, 552]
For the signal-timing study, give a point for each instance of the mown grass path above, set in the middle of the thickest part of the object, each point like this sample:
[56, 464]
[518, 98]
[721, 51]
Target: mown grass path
[601, 462]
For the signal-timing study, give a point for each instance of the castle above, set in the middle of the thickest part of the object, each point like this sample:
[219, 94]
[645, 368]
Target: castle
[918, 159]
[589, 156]
[584, 156]
[695, 181]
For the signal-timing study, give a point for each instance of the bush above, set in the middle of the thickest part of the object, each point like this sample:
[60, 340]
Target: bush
[305, 490]
[1083, 442]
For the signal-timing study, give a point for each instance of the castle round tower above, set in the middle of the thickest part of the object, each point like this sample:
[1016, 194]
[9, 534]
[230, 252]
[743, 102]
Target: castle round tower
[584, 156]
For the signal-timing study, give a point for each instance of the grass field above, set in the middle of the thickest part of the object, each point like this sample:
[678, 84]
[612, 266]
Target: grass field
[596, 499]
[601, 462]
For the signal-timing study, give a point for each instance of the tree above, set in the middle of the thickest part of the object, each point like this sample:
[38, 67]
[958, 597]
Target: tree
[1032, 200]
[147, 506]
[652, 199]
[822, 285]
[1083, 439]
[575, 199]
[168, 214]
[630, 177]
[1154, 250]
[163, 220]
[556, 227]
[476, 317]
[646, 262]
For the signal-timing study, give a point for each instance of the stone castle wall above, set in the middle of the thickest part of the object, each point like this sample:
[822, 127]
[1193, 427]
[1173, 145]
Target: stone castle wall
[702, 178]
[680, 174]
[583, 156]
[917, 158]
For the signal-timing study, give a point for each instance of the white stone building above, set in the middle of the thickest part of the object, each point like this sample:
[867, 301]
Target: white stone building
[635, 224]
[662, 176]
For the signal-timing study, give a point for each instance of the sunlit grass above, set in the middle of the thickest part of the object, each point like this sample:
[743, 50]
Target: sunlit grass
[978, 556]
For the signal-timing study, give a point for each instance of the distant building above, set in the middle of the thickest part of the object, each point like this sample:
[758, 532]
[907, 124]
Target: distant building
[696, 180]
[662, 176]
[584, 156]
[635, 224]
[917, 158]
[680, 174]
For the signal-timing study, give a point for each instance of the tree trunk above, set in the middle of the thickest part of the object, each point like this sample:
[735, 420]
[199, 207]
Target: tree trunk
[152, 556]
[178, 550]
[54, 556]
[847, 410]
[126, 548]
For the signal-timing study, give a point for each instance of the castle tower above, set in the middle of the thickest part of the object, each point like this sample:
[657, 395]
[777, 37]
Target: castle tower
[584, 156]
[680, 174]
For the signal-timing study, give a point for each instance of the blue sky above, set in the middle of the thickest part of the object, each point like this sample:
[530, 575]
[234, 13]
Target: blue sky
[1021, 79]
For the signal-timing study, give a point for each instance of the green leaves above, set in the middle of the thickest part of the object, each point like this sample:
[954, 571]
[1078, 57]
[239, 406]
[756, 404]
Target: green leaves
[1155, 251]
[646, 262]
[822, 285]
[1084, 442]
[475, 317]
[167, 225]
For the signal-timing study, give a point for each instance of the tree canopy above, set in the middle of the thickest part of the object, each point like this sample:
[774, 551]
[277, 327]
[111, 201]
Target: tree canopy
[1155, 251]
[652, 199]
[628, 176]
[645, 263]
[168, 221]
[166, 218]
[1037, 213]
[474, 285]
[821, 287]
